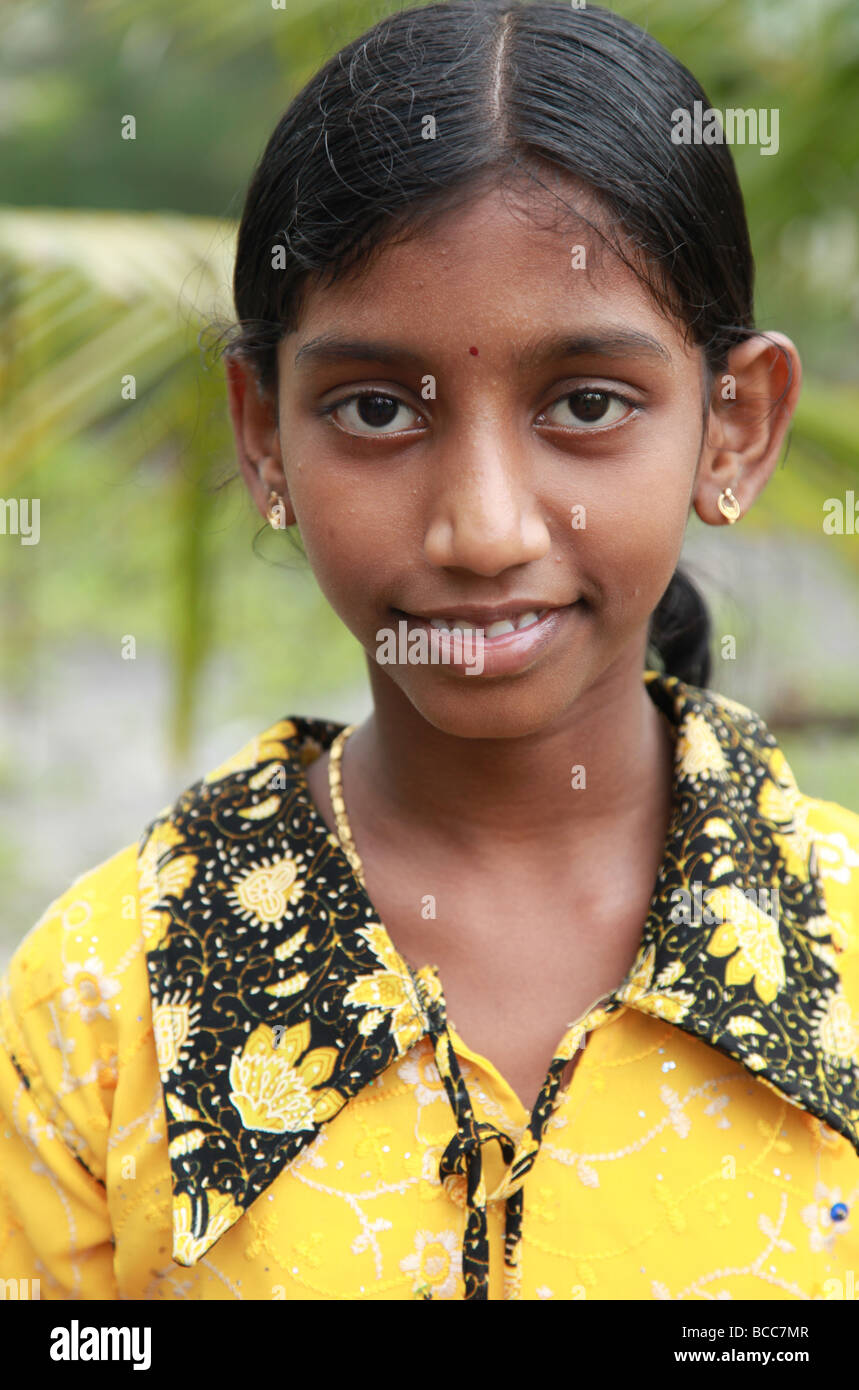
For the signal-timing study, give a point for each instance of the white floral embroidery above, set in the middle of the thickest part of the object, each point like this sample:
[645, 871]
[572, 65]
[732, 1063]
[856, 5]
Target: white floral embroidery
[420, 1071]
[436, 1261]
[89, 989]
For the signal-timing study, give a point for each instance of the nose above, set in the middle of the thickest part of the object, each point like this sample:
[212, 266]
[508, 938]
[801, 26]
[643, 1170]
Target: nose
[484, 516]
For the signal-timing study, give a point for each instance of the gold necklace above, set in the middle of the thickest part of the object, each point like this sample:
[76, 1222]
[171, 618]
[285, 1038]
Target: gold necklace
[335, 788]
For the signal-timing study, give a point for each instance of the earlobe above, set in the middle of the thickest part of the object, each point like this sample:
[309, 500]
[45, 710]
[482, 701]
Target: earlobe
[254, 419]
[750, 408]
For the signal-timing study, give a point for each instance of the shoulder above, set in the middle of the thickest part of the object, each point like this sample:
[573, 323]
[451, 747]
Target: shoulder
[93, 920]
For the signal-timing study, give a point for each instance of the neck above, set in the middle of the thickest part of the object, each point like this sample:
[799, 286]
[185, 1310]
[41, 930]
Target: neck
[481, 798]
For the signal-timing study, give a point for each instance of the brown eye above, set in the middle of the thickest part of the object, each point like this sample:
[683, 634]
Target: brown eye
[371, 412]
[377, 410]
[588, 406]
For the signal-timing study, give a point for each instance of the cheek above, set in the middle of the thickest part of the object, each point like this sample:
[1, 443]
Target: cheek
[629, 549]
[346, 549]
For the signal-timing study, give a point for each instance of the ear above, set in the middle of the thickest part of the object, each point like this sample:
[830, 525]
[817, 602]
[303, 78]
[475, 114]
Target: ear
[254, 418]
[750, 408]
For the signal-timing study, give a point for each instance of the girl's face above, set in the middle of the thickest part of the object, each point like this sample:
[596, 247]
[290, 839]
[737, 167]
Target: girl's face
[494, 415]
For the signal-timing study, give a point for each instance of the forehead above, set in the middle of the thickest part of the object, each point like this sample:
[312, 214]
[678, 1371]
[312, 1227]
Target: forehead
[504, 266]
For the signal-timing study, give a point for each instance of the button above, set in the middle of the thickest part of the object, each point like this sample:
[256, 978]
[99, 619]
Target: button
[839, 1211]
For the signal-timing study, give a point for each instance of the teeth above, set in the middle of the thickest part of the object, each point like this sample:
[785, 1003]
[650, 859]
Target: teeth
[527, 620]
[496, 629]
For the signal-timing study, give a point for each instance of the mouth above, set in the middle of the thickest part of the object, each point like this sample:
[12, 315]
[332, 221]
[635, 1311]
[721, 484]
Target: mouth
[492, 626]
[509, 639]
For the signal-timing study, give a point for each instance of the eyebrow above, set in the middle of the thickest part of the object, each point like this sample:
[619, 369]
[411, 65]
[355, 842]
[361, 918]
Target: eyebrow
[618, 343]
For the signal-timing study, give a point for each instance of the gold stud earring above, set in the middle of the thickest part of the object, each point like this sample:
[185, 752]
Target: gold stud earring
[276, 513]
[728, 505]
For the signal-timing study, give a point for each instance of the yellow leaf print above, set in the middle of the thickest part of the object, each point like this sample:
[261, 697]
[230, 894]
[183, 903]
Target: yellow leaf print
[267, 774]
[740, 1024]
[179, 1110]
[273, 1091]
[293, 985]
[261, 810]
[723, 865]
[388, 993]
[186, 1143]
[174, 878]
[430, 984]
[223, 1213]
[781, 802]
[175, 1020]
[698, 750]
[751, 938]
[289, 948]
[719, 829]
[837, 1030]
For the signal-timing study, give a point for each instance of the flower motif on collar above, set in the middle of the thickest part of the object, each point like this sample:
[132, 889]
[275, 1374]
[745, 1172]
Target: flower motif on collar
[269, 891]
[388, 993]
[751, 938]
[275, 1082]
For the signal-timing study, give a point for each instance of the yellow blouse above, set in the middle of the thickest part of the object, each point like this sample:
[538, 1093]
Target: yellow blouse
[219, 1079]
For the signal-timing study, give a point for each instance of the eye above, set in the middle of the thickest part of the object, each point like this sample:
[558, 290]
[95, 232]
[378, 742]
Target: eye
[369, 413]
[590, 408]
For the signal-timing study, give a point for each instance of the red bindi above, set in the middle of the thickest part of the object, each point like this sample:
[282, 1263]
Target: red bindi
[473, 351]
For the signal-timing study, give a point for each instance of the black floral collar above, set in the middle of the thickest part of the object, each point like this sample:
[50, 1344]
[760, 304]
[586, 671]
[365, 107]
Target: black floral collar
[277, 994]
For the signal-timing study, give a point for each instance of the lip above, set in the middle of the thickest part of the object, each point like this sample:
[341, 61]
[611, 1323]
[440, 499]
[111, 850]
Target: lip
[506, 654]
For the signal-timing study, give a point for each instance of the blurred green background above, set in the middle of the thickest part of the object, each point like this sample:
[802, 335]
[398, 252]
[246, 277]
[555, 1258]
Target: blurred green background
[114, 254]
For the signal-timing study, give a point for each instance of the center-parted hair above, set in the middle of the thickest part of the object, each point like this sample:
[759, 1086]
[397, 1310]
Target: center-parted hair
[524, 91]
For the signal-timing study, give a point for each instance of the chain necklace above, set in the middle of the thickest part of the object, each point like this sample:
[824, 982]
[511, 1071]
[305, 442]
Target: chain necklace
[335, 787]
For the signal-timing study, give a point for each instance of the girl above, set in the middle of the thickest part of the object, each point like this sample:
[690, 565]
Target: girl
[541, 982]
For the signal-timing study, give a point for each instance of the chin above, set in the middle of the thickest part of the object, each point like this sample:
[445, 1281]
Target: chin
[501, 709]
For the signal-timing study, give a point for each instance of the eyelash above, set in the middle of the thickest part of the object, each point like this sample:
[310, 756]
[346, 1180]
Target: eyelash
[631, 404]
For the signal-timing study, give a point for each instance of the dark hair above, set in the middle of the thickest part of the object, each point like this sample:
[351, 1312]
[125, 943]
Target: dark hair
[514, 88]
